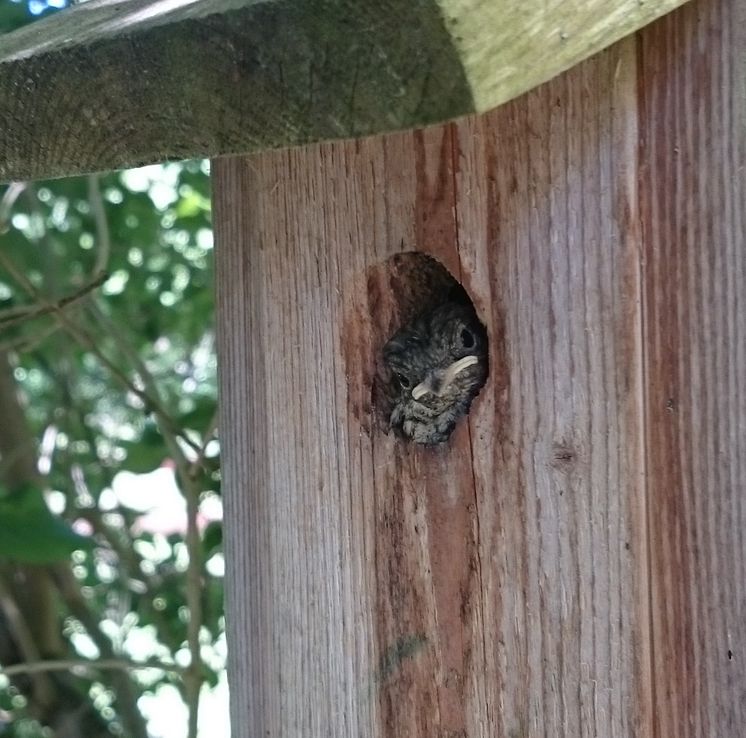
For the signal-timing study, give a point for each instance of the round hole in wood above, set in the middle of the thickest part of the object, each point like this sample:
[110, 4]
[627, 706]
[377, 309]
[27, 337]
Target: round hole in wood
[427, 350]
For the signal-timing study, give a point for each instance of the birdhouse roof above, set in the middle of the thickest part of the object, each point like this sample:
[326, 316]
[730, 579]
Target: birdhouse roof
[110, 84]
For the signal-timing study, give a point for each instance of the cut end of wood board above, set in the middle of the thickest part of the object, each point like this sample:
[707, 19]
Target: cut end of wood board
[129, 83]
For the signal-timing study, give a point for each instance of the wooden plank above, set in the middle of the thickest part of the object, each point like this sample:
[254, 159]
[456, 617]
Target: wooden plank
[693, 135]
[493, 587]
[548, 185]
[105, 84]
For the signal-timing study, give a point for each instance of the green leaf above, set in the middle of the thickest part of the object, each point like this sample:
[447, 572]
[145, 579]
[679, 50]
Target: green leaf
[148, 453]
[199, 417]
[212, 538]
[31, 534]
[192, 203]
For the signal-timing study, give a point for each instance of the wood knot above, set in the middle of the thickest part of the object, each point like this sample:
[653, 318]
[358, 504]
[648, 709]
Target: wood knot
[564, 456]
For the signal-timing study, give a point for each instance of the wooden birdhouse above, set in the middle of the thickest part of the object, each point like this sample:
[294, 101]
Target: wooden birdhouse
[572, 560]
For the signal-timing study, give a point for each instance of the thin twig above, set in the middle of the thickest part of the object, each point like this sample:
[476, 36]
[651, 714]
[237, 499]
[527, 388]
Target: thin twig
[37, 667]
[103, 240]
[150, 396]
[69, 590]
[193, 677]
[24, 639]
[86, 340]
[118, 538]
[66, 584]
[130, 564]
[207, 436]
[15, 189]
[15, 315]
[145, 375]
[21, 344]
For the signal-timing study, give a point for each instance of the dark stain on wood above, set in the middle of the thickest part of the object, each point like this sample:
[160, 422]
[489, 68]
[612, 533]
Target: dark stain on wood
[406, 647]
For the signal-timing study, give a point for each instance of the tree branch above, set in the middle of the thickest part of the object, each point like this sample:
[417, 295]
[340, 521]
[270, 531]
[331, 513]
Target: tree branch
[37, 667]
[102, 224]
[15, 189]
[193, 676]
[21, 344]
[22, 313]
[150, 396]
[24, 638]
[82, 336]
[68, 588]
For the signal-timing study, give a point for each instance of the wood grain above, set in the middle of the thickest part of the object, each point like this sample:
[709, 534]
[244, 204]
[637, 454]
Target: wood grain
[495, 587]
[550, 190]
[114, 83]
[572, 563]
[693, 143]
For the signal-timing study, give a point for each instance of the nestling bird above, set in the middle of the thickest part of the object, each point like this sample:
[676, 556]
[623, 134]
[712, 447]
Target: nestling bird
[438, 364]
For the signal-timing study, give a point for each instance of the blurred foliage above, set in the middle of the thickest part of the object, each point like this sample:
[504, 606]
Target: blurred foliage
[30, 533]
[17, 13]
[128, 257]
[155, 308]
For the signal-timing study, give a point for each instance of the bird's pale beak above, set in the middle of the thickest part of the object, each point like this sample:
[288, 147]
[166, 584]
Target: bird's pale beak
[438, 382]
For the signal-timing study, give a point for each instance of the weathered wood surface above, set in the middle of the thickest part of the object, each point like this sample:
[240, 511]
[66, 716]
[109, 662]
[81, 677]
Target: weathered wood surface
[109, 84]
[693, 136]
[573, 563]
[492, 588]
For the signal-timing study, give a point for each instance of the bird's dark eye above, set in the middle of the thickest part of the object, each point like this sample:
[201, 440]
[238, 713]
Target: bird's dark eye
[467, 338]
[402, 379]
